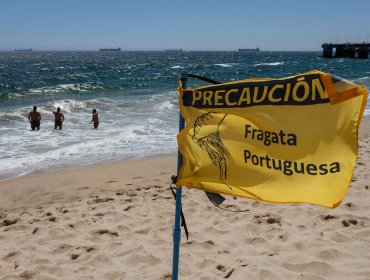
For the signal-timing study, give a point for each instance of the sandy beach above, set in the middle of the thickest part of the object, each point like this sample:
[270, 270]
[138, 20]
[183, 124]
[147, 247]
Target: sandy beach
[114, 221]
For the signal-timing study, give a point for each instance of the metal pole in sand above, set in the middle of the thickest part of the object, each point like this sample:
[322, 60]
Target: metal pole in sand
[177, 228]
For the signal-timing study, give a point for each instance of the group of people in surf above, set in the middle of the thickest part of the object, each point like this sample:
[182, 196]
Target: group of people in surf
[35, 118]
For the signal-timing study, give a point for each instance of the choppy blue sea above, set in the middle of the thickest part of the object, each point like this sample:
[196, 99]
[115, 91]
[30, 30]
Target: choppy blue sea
[135, 94]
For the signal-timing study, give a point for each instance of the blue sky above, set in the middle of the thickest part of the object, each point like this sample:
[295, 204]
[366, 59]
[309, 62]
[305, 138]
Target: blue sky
[191, 25]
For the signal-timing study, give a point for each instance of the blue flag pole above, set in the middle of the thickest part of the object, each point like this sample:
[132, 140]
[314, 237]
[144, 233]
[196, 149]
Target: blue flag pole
[177, 228]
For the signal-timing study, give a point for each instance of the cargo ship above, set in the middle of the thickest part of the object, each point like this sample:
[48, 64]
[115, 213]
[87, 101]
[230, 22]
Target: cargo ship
[110, 50]
[23, 50]
[249, 50]
[173, 50]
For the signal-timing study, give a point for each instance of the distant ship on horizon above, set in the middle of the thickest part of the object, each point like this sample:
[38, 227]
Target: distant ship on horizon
[23, 50]
[110, 50]
[173, 50]
[249, 50]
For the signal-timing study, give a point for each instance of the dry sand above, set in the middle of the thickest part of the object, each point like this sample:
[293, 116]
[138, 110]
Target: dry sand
[115, 221]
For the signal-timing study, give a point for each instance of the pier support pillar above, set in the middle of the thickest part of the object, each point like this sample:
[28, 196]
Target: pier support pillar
[350, 52]
[363, 53]
[327, 52]
[340, 51]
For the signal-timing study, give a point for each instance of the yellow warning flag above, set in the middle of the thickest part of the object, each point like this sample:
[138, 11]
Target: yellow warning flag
[290, 140]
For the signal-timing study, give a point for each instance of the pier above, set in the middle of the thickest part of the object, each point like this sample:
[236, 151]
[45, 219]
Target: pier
[352, 50]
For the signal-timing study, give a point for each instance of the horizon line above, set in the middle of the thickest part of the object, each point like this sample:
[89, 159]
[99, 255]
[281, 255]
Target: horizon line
[142, 50]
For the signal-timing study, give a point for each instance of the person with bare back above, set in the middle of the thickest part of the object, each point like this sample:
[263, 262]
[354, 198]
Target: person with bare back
[59, 119]
[34, 117]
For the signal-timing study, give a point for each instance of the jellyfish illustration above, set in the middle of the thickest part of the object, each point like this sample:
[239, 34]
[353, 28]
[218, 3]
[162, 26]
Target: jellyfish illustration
[207, 136]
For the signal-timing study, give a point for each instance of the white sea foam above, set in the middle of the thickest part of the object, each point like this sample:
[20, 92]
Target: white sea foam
[83, 87]
[166, 105]
[269, 64]
[367, 112]
[363, 78]
[177, 67]
[225, 65]
[69, 105]
[145, 126]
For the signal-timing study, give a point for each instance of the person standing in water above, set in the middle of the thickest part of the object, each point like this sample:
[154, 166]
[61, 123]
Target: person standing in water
[95, 118]
[34, 117]
[59, 119]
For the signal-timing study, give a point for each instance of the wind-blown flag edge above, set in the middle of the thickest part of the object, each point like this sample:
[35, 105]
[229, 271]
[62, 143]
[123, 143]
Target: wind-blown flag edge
[335, 98]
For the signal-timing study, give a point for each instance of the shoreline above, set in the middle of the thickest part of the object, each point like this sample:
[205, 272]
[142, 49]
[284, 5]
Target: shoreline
[75, 183]
[87, 165]
[115, 221]
[82, 181]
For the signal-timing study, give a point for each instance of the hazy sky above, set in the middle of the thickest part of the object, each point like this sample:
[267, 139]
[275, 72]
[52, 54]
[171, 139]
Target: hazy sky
[191, 25]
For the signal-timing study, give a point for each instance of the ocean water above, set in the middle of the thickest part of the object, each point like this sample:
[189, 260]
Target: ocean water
[135, 94]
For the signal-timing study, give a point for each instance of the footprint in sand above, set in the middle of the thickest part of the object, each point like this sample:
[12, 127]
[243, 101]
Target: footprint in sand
[62, 248]
[9, 222]
[143, 231]
[348, 222]
[221, 267]
[315, 267]
[167, 276]
[52, 219]
[208, 244]
[105, 231]
[131, 194]
[256, 240]
[225, 252]
[329, 254]
[268, 219]
[10, 255]
[25, 213]
[89, 249]
[27, 274]
[349, 204]
[227, 275]
[328, 217]
[83, 188]
[102, 200]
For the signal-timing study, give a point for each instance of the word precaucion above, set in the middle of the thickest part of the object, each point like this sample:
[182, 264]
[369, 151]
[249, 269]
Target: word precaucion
[304, 90]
